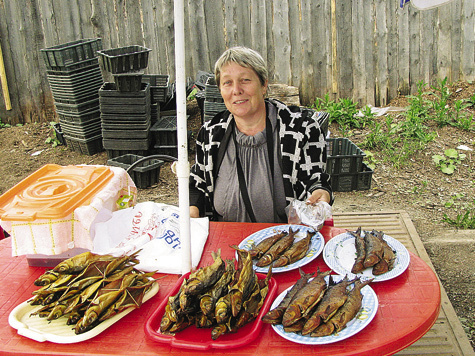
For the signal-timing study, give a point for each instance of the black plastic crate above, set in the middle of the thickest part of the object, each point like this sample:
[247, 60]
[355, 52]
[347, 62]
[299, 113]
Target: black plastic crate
[124, 133]
[127, 144]
[64, 55]
[78, 108]
[346, 182]
[128, 82]
[159, 86]
[343, 156]
[89, 146]
[124, 59]
[83, 117]
[145, 174]
[164, 131]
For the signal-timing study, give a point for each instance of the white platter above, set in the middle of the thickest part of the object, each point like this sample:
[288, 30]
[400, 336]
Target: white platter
[340, 255]
[366, 314]
[56, 331]
[315, 248]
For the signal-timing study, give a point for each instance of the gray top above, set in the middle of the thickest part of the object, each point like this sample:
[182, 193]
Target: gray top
[267, 200]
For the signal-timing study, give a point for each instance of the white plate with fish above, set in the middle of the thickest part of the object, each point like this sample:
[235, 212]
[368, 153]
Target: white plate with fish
[340, 255]
[57, 331]
[315, 249]
[366, 314]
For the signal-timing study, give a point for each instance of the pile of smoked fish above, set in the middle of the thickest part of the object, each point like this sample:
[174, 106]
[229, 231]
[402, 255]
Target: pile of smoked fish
[88, 289]
[281, 249]
[221, 296]
[311, 307]
[372, 251]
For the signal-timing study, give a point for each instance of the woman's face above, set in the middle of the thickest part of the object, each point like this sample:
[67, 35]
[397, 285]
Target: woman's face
[242, 91]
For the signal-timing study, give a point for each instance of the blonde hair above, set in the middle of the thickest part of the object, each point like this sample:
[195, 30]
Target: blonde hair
[245, 57]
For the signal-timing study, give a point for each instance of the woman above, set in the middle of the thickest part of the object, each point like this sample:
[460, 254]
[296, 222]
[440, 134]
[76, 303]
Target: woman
[259, 154]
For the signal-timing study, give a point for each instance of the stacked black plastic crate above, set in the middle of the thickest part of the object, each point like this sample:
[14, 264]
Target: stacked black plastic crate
[159, 87]
[74, 76]
[125, 105]
[346, 167]
[214, 102]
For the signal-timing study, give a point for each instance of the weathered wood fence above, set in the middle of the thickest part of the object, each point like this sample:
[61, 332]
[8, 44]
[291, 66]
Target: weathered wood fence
[366, 50]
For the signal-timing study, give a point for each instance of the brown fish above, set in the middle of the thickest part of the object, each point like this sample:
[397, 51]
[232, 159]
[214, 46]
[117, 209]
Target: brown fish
[277, 249]
[205, 277]
[296, 252]
[351, 307]
[275, 315]
[358, 266]
[263, 246]
[305, 299]
[373, 249]
[334, 297]
[386, 263]
[244, 287]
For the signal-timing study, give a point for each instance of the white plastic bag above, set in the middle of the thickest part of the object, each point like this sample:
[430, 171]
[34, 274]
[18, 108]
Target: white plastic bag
[313, 215]
[152, 228]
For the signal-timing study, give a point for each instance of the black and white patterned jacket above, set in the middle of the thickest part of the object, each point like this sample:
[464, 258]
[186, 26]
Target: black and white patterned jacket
[303, 152]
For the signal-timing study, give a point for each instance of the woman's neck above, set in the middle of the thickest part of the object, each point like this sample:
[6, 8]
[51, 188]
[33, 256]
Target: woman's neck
[251, 126]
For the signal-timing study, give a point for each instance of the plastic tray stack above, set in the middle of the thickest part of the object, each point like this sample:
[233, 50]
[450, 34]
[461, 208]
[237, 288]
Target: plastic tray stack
[125, 118]
[164, 136]
[346, 167]
[125, 105]
[74, 76]
[159, 88]
[214, 102]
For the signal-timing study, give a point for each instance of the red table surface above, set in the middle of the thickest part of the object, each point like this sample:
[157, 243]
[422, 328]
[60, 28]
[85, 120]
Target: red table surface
[408, 307]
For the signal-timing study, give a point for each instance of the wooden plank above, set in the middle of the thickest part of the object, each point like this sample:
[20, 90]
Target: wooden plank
[381, 53]
[456, 35]
[447, 336]
[403, 84]
[295, 27]
[358, 47]
[214, 25]
[259, 27]
[392, 38]
[280, 31]
[414, 47]
[196, 44]
[427, 56]
[468, 40]
[444, 55]
[345, 62]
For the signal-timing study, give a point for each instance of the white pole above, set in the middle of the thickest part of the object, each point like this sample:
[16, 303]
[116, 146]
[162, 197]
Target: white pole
[182, 167]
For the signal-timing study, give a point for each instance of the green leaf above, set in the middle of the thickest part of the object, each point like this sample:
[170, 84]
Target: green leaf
[451, 152]
[437, 159]
[448, 169]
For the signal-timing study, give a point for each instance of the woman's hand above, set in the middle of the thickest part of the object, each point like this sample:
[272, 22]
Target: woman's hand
[194, 212]
[319, 195]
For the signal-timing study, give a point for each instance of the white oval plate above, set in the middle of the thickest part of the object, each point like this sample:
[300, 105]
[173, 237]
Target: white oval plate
[316, 245]
[368, 310]
[56, 331]
[340, 255]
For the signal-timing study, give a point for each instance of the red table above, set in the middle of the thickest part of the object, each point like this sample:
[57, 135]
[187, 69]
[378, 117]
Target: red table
[408, 307]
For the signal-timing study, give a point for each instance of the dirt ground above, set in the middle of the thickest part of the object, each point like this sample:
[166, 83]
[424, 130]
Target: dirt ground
[420, 188]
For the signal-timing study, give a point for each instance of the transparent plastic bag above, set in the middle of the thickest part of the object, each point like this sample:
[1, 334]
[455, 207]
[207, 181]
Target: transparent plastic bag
[313, 215]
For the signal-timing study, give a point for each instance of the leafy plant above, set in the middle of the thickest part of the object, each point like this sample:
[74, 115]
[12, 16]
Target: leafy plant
[464, 220]
[3, 125]
[449, 161]
[53, 140]
[370, 160]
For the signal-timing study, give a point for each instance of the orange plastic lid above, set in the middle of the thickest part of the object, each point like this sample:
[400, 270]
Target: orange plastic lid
[53, 192]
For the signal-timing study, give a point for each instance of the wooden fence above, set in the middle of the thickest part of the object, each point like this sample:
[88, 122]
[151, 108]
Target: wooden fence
[366, 50]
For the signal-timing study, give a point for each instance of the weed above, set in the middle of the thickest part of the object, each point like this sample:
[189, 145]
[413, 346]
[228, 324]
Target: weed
[449, 161]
